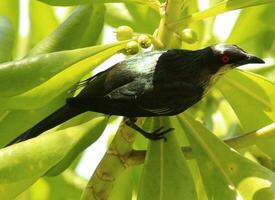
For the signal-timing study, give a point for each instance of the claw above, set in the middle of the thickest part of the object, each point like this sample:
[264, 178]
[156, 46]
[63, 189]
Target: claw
[157, 130]
[155, 135]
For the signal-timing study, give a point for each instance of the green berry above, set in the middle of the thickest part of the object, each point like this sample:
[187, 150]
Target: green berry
[144, 41]
[132, 48]
[124, 33]
[189, 36]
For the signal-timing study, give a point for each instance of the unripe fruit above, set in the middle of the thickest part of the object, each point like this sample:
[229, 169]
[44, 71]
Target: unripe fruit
[189, 36]
[132, 48]
[124, 33]
[144, 41]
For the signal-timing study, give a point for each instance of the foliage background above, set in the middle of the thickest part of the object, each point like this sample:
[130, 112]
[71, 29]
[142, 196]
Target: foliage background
[40, 73]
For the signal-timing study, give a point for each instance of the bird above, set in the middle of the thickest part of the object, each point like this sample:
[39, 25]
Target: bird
[150, 84]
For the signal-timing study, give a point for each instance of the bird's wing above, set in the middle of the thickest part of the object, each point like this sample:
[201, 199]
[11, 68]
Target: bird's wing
[171, 98]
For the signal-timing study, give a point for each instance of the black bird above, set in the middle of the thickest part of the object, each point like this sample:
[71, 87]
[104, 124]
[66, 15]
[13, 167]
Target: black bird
[157, 83]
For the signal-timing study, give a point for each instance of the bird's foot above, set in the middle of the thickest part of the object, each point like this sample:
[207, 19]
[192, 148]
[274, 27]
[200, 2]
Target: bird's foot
[157, 134]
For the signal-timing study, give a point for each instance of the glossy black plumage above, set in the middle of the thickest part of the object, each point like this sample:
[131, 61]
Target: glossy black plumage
[157, 83]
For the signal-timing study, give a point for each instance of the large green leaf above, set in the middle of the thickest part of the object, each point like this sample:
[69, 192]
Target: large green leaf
[23, 163]
[40, 12]
[165, 173]
[252, 98]
[10, 9]
[6, 39]
[32, 71]
[225, 173]
[256, 40]
[69, 183]
[81, 29]
[222, 7]
[249, 95]
[153, 3]
[25, 119]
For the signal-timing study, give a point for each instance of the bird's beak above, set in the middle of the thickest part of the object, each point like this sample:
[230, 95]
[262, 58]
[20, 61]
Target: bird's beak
[253, 59]
[250, 59]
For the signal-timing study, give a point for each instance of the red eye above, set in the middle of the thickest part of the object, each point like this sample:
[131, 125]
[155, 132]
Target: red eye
[225, 59]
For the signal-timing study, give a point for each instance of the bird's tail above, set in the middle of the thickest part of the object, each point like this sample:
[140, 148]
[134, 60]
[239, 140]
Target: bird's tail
[58, 117]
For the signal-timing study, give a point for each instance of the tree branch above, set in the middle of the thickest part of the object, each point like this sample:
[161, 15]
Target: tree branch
[137, 156]
[112, 164]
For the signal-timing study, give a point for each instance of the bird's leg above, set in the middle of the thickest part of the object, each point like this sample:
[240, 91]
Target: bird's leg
[155, 135]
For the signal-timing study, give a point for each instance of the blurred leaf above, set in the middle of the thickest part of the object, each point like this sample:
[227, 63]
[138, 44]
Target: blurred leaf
[124, 186]
[222, 7]
[40, 12]
[66, 186]
[226, 174]
[256, 40]
[81, 29]
[249, 95]
[23, 163]
[82, 144]
[10, 9]
[237, 4]
[144, 19]
[252, 98]
[226, 6]
[165, 176]
[153, 3]
[24, 119]
[32, 71]
[65, 2]
[6, 39]
[139, 17]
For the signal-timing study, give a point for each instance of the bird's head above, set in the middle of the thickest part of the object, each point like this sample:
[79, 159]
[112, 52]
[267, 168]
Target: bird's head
[231, 56]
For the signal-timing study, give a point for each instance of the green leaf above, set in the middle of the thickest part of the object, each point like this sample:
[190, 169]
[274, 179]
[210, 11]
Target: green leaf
[255, 40]
[123, 187]
[40, 12]
[222, 7]
[23, 163]
[68, 182]
[237, 4]
[165, 173]
[32, 71]
[225, 173]
[252, 98]
[82, 144]
[239, 88]
[6, 39]
[225, 7]
[10, 9]
[81, 29]
[24, 119]
[66, 2]
[152, 3]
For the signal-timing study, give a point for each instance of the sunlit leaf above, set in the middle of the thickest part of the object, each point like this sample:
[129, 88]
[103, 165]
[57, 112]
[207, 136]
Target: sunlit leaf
[81, 29]
[222, 7]
[6, 39]
[32, 71]
[153, 3]
[40, 12]
[124, 186]
[249, 95]
[23, 163]
[252, 98]
[10, 9]
[165, 173]
[25, 119]
[255, 40]
[225, 173]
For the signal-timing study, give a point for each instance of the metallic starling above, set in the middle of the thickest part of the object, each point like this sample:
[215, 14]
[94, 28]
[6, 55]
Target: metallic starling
[156, 83]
